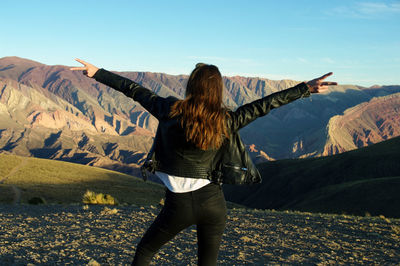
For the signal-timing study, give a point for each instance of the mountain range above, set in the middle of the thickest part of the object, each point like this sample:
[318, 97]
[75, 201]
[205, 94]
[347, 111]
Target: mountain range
[52, 112]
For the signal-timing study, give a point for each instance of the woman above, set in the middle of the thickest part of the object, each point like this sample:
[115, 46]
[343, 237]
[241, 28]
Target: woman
[189, 135]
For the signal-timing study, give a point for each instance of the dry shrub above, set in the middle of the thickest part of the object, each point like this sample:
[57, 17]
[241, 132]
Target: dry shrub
[91, 197]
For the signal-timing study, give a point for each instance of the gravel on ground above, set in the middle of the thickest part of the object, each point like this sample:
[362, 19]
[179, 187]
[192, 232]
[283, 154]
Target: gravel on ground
[108, 235]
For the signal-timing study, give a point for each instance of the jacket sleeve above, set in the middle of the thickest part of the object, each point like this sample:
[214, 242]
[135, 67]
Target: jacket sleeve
[154, 104]
[251, 111]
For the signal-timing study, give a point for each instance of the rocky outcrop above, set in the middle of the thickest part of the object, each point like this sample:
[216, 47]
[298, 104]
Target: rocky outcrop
[367, 123]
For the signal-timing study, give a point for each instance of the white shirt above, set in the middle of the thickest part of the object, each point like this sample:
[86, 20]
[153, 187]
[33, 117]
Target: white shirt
[179, 184]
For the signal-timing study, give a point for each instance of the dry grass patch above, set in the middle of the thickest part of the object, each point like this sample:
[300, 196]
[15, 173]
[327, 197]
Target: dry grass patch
[91, 197]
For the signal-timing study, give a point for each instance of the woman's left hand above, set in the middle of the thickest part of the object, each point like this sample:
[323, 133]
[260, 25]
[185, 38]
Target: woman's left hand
[88, 69]
[319, 85]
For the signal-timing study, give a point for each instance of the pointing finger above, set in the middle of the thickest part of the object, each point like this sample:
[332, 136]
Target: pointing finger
[326, 75]
[78, 68]
[329, 83]
[81, 61]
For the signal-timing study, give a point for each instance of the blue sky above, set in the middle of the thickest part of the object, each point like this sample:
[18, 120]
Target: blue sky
[358, 40]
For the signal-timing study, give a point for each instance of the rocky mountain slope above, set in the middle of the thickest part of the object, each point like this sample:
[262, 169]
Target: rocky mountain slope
[304, 128]
[52, 112]
[364, 124]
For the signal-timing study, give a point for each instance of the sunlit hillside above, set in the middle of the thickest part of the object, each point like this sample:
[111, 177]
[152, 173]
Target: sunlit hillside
[63, 182]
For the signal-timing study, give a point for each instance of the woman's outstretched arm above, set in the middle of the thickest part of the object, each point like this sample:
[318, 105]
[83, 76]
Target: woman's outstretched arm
[110, 79]
[156, 105]
[247, 113]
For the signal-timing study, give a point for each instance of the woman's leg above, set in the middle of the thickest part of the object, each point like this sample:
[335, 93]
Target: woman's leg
[212, 216]
[175, 216]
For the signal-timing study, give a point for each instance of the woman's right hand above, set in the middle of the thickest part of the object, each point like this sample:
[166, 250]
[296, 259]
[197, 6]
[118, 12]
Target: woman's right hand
[318, 85]
[88, 69]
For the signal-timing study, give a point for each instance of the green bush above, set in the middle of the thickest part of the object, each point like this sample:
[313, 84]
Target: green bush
[91, 197]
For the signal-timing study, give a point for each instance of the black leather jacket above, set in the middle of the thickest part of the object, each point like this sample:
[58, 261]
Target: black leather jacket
[171, 153]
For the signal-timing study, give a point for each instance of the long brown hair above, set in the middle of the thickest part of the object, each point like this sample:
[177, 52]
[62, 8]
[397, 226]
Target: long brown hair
[202, 113]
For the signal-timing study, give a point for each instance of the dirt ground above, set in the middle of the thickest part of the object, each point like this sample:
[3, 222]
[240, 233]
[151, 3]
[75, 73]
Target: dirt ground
[80, 235]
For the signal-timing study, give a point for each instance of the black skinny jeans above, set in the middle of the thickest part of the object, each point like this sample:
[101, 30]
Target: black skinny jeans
[205, 207]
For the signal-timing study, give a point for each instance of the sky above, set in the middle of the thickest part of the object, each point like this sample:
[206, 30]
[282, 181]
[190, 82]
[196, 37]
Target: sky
[357, 40]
